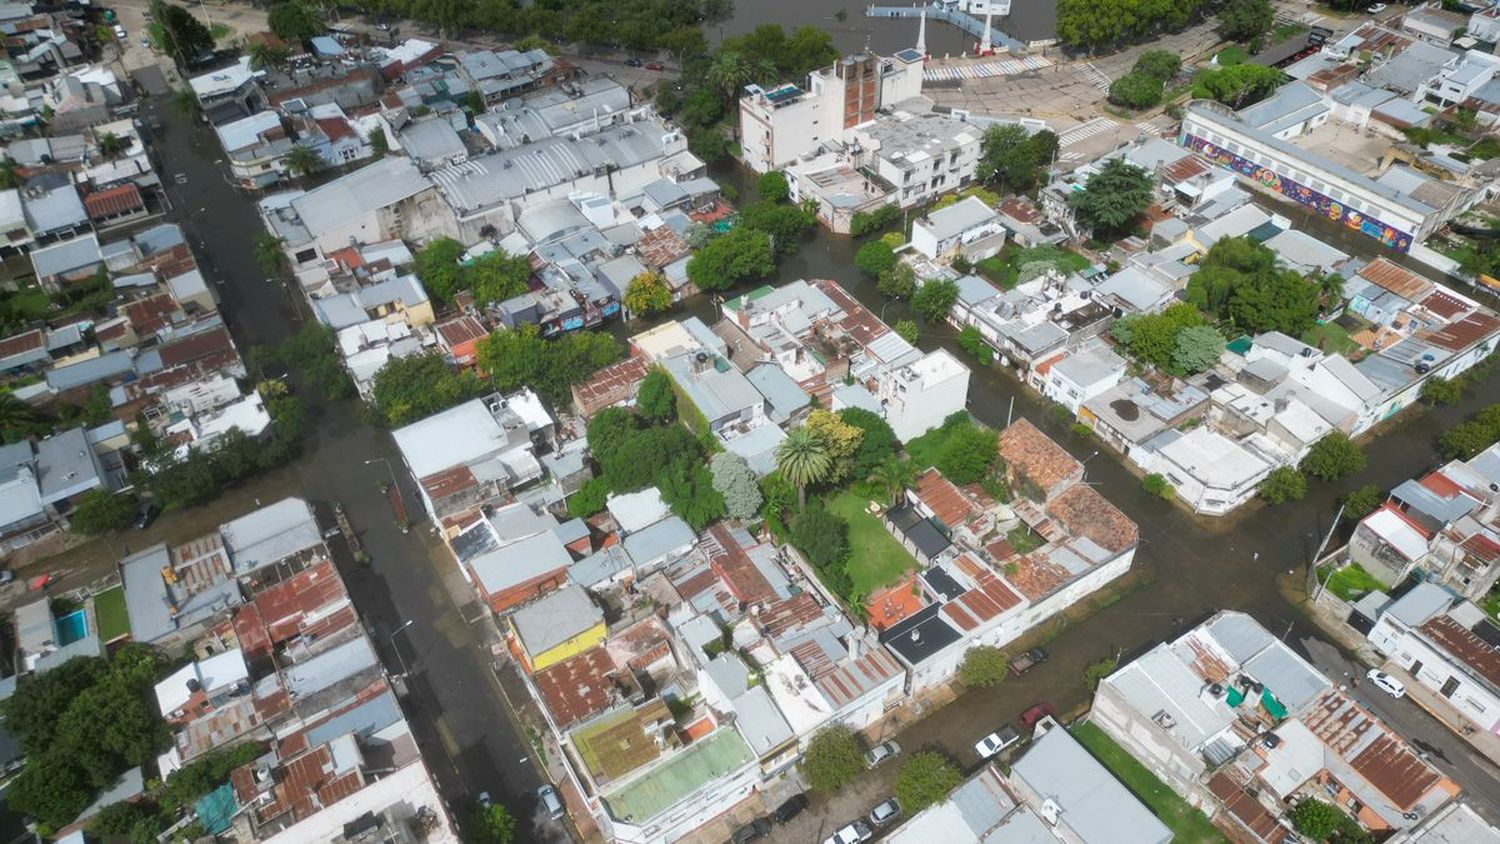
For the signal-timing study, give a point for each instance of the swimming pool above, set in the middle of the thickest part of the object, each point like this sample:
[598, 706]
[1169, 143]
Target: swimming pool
[72, 627]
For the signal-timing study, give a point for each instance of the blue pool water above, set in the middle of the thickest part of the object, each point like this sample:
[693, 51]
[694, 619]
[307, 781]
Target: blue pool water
[72, 627]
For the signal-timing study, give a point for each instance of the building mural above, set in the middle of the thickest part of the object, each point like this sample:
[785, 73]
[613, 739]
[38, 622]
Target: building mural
[1291, 189]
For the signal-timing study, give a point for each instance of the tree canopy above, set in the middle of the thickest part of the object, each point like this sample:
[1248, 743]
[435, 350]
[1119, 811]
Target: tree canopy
[1097, 24]
[648, 293]
[183, 36]
[875, 258]
[833, 757]
[737, 483]
[1239, 280]
[1333, 457]
[410, 388]
[1283, 484]
[1013, 159]
[934, 299]
[824, 538]
[294, 22]
[1143, 86]
[773, 187]
[967, 454]
[925, 778]
[100, 511]
[1113, 198]
[521, 357]
[81, 725]
[1246, 21]
[877, 442]
[742, 254]
[1238, 85]
[983, 666]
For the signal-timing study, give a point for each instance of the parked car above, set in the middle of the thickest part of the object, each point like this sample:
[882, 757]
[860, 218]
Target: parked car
[751, 831]
[852, 834]
[1376, 8]
[655, 66]
[550, 801]
[483, 800]
[1027, 661]
[790, 808]
[146, 515]
[884, 812]
[881, 752]
[7, 577]
[1386, 683]
[632, 62]
[997, 741]
[120, 32]
[1035, 714]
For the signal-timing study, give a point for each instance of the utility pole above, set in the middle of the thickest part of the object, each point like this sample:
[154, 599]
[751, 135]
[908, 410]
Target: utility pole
[1318, 555]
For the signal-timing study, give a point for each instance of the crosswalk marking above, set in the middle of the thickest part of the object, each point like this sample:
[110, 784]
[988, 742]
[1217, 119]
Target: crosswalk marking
[1096, 76]
[1006, 67]
[1088, 130]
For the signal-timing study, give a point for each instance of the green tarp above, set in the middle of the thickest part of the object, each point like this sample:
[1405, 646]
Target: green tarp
[1235, 697]
[1272, 706]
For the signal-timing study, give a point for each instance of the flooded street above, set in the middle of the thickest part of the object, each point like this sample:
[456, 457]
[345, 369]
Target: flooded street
[851, 34]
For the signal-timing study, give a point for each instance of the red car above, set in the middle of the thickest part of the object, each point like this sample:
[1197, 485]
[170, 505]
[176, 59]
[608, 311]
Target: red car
[655, 66]
[1035, 714]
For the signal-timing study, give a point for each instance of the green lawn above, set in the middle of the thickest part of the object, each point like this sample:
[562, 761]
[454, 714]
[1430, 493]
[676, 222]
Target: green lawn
[109, 609]
[1351, 582]
[876, 559]
[1330, 337]
[1232, 55]
[1492, 604]
[1187, 824]
[1004, 269]
[1286, 32]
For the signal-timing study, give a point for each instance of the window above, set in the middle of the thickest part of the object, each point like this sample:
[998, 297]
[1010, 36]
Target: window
[306, 255]
[1449, 687]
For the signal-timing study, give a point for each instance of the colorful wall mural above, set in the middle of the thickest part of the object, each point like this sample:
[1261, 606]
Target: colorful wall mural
[1291, 189]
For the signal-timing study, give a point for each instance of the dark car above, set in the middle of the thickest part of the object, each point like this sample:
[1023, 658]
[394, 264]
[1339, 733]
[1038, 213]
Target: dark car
[655, 66]
[146, 515]
[751, 831]
[632, 62]
[1027, 661]
[791, 808]
[1035, 714]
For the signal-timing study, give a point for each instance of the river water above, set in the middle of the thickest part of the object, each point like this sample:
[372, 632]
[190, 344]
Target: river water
[850, 35]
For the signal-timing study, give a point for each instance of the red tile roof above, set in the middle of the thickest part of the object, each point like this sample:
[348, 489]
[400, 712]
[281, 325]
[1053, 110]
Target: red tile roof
[1445, 304]
[1397, 279]
[607, 386]
[460, 330]
[151, 314]
[285, 607]
[28, 341]
[120, 199]
[1184, 168]
[734, 567]
[307, 785]
[779, 618]
[578, 687]
[891, 605]
[1035, 576]
[661, 246]
[1441, 484]
[442, 484]
[1248, 810]
[196, 346]
[1387, 763]
[989, 598]
[335, 127]
[1032, 453]
[946, 501]
[852, 678]
[1019, 209]
[1084, 512]
[1460, 335]
[1465, 646]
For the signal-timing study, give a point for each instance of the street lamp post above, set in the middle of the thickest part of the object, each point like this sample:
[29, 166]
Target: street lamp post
[397, 648]
[1085, 464]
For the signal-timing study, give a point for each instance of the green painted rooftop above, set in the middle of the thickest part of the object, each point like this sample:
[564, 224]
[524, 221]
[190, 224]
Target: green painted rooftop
[685, 772]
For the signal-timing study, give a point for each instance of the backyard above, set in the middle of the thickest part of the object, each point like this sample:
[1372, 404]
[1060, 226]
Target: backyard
[109, 608]
[1351, 582]
[1187, 824]
[1004, 269]
[876, 559]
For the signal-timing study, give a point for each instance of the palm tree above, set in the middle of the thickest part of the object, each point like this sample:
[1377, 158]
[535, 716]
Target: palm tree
[269, 254]
[16, 417]
[802, 458]
[894, 475]
[729, 73]
[1331, 289]
[185, 103]
[304, 160]
[263, 55]
[112, 146]
[9, 176]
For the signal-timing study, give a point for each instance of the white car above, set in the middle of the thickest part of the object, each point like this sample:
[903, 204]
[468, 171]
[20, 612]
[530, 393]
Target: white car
[996, 741]
[881, 752]
[1376, 8]
[852, 834]
[120, 32]
[1386, 683]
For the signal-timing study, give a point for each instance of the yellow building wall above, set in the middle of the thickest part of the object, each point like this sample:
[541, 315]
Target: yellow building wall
[589, 638]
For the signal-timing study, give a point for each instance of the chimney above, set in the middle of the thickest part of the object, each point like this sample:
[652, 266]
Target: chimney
[744, 317]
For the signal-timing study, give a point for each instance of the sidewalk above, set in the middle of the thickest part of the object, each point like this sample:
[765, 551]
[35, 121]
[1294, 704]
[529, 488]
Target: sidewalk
[1485, 742]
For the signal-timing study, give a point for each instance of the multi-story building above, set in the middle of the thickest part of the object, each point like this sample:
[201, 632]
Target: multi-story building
[785, 123]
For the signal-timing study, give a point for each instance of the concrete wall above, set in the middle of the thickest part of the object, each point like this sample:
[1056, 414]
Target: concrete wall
[1435, 670]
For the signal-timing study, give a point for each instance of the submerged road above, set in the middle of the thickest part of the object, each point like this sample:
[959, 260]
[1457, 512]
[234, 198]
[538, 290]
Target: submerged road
[1189, 567]
[454, 702]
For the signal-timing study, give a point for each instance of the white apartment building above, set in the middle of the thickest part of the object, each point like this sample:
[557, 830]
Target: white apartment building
[917, 397]
[921, 153]
[1460, 78]
[780, 125]
[968, 227]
